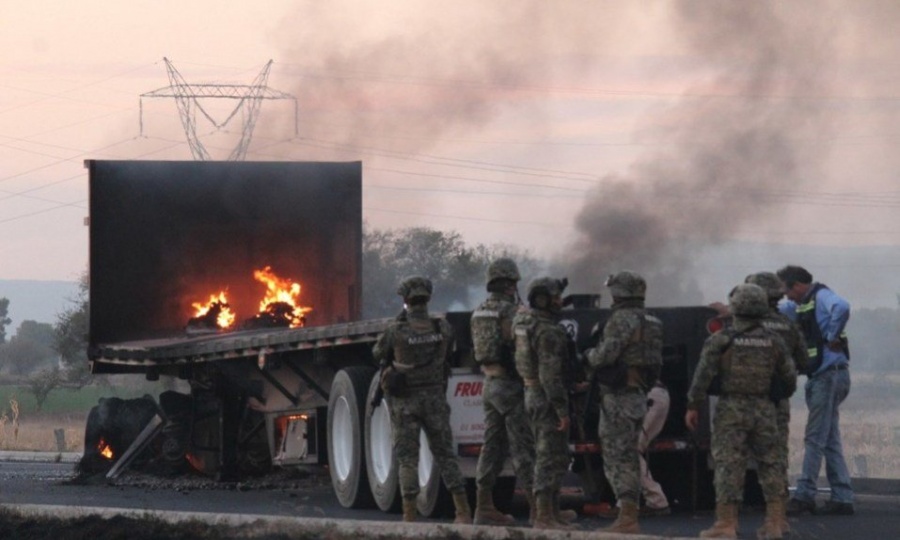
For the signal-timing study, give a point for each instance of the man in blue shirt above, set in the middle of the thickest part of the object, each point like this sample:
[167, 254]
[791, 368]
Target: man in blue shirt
[821, 315]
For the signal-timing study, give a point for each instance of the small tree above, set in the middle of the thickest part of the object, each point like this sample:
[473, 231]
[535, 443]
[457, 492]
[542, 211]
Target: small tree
[21, 356]
[71, 334]
[4, 319]
[41, 384]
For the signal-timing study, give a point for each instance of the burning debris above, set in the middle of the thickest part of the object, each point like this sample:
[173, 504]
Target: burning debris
[279, 308]
[275, 315]
[112, 426]
[284, 297]
[213, 433]
[215, 315]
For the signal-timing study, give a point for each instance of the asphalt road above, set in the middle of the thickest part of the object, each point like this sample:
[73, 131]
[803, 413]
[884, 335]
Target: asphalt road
[37, 483]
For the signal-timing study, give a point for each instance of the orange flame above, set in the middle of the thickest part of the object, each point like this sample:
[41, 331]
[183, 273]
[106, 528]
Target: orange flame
[225, 318]
[281, 291]
[105, 449]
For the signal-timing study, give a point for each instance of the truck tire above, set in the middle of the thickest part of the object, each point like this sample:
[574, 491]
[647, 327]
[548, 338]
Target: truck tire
[381, 463]
[434, 500]
[346, 412]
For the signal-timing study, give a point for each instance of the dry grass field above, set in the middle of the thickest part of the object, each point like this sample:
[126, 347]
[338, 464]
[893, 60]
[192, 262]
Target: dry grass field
[870, 427]
[36, 432]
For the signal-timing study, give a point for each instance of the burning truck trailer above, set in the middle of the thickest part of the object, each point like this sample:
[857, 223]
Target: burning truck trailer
[242, 280]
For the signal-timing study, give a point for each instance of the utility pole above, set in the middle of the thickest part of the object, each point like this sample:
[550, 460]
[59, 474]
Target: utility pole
[190, 98]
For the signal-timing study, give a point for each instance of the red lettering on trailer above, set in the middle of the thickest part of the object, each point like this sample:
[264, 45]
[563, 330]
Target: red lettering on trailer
[468, 389]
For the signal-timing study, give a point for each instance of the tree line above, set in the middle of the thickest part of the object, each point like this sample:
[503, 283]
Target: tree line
[48, 355]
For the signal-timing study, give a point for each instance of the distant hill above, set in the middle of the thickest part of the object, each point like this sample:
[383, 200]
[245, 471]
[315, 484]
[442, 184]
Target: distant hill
[39, 301]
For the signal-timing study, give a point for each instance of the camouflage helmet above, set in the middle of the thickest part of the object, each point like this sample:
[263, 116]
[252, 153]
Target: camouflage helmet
[748, 300]
[503, 268]
[769, 282]
[546, 285]
[626, 284]
[415, 286]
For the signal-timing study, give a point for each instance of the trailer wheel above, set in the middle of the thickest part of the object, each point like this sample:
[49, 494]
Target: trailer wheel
[434, 500]
[346, 411]
[381, 463]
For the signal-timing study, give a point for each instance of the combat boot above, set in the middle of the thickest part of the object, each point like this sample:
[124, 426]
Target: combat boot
[544, 517]
[627, 522]
[485, 511]
[409, 509]
[563, 516]
[771, 529]
[463, 512]
[726, 522]
[783, 520]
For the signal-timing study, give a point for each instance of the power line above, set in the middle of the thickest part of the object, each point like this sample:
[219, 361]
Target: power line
[547, 89]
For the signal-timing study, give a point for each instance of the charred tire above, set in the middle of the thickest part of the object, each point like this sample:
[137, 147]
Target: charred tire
[381, 463]
[346, 413]
[434, 500]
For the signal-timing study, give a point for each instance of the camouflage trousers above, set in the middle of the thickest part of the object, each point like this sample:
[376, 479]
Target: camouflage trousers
[783, 421]
[621, 420]
[507, 431]
[551, 447]
[427, 410]
[745, 427]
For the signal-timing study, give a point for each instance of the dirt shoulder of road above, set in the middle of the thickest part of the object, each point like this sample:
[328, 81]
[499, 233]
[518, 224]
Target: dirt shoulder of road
[71, 523]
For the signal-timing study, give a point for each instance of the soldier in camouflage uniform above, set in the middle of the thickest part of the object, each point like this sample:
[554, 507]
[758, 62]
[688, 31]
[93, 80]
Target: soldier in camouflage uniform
[627, 364]
[796, 343]
[541, 349]
[412, 353]
[506, 426]
[747, 358]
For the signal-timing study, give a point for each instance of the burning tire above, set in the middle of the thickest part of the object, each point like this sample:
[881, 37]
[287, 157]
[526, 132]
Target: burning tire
[434, 500]
[381, 464]
[346, 413]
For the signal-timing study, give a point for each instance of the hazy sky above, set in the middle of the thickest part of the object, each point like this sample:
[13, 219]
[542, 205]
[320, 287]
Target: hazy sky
[590, 133]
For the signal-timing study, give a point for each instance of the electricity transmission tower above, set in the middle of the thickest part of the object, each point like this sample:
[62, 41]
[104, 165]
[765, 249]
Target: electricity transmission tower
[190, 98]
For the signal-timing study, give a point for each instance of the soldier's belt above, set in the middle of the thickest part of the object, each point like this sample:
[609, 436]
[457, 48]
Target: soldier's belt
[531, 382]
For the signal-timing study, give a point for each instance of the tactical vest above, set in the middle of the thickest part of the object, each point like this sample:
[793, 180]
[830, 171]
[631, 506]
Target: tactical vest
[748, 363]
[815, 341]
[784, 327]
[644, 349]
[640, 362]
[491, 344]
[420, 350]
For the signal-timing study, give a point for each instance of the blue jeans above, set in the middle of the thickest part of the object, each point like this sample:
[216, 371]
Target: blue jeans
[824, 394]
